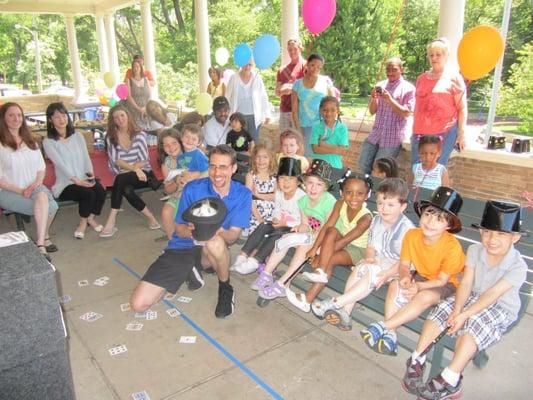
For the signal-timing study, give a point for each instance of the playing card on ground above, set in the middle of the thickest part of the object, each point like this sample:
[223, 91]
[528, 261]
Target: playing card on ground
[82, 283]
[184, 299]
[91, 316]
[169, 296]
[117, 349]
[140, 395]
[188, 339]
[134, 326]
[141, 314]
[65, 299]
[151, 315]
[104, 280]
[173, 313]
[125, 307]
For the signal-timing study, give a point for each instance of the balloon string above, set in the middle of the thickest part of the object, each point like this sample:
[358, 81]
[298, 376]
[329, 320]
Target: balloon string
[385, 57]
[311, 45]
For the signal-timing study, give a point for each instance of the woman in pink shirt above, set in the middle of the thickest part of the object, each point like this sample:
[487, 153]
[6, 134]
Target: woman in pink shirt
[440, 107]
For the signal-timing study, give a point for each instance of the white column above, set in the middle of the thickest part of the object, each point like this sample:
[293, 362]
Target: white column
[202, 39]
[102, 44]
[498, 72]
[451, 21]
[74, 55]
[289, 26]
[112, 46]
[148, 42]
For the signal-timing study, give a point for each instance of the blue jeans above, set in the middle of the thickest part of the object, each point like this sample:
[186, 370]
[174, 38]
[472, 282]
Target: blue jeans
[371, 152]
[448, 142]
[250, 127]
[307, 131]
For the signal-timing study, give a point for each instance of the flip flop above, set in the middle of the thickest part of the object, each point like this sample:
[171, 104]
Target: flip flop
[51, 248]
[79, 235]
[45, 255]
[98, 228]
[154, 227]
[108, 234]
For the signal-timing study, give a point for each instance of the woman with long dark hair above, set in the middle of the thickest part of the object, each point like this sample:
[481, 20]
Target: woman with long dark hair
[22, 171]
[74, 172]
[129, 161]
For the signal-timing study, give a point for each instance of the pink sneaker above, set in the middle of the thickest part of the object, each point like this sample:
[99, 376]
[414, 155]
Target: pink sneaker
[262, 281]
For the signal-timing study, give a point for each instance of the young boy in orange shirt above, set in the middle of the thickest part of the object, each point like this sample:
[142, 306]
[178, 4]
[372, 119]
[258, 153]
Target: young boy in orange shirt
[430, 260]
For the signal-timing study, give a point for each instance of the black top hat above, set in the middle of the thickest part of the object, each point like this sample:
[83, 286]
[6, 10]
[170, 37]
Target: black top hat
[289, 166]
[220, 102]
[501, 216]
[321, 169]
[207, 216]
[447, 200]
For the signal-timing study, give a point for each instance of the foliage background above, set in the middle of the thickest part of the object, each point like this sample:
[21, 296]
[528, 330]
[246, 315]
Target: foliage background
[354, 46]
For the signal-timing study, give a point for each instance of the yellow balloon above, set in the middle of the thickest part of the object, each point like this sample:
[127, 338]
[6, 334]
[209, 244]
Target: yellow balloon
[479, 51]
[204, 103]
[109, 79]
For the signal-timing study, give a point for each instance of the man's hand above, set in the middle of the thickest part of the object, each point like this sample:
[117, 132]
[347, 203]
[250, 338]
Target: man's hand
[456, 322]
[29, 189]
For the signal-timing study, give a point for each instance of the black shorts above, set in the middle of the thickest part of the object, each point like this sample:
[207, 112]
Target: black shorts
[172, 268]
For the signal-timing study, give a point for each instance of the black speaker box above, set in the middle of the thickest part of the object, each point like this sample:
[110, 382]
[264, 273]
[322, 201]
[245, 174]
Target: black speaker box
[32, 335]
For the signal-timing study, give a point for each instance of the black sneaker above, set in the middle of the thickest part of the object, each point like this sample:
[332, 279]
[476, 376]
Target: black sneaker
[226, 303]
[195, 281]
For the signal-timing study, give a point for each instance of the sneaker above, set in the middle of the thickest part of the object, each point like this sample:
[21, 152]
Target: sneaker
[298, 300]
[338, 317]
[414, 376]
[372, 333]
[247, 267]
[226, 301]
[317, 276]
[320, 307]
[195, 281]
[388, 344]
[262, 281]
[238, 261]
[260, 268]
[438, 389]
[272, 291]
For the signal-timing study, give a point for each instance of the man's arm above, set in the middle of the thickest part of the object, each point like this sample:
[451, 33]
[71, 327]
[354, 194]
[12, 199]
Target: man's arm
[402, 111]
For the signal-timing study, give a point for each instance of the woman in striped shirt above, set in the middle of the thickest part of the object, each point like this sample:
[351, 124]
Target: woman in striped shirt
[128, 160]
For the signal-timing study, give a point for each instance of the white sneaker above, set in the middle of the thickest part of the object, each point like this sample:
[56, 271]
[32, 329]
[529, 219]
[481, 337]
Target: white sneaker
[247, 267]
[318, 276]
[298, 300]
[238, 261]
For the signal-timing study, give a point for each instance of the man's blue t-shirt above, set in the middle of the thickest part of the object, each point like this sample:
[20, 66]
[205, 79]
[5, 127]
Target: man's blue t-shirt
[238, 203]
[194, 161]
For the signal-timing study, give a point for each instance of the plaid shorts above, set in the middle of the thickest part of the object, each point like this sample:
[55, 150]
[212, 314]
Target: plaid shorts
[485, 327]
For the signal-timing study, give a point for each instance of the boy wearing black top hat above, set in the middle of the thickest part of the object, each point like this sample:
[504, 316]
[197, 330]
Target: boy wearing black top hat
[486, 303]
[430, 260]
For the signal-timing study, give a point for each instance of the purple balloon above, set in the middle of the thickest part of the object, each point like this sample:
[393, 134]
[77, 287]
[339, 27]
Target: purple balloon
[318, 14]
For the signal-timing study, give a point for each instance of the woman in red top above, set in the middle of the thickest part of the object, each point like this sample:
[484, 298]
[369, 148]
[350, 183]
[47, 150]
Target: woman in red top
[440, 107]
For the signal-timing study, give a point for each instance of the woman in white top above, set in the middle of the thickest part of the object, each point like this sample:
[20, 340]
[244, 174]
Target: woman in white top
[22, 171]
[246, 94]
[75, 180]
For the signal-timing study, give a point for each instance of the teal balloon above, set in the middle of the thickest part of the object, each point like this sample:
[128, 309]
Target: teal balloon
[242, 54]
[112, 102]
[266, 51]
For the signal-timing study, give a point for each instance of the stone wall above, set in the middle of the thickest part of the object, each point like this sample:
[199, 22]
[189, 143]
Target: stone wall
[489, 176]
[39, 102]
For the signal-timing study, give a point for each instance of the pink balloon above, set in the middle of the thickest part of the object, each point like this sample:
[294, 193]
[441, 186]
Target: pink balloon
[122, 91]
[318, 14]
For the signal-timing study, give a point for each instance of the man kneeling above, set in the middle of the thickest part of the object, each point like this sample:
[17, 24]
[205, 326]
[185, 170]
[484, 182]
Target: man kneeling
[182, 254]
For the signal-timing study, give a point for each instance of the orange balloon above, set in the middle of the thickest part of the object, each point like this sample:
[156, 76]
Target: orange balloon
[479, 51]
[103, 100]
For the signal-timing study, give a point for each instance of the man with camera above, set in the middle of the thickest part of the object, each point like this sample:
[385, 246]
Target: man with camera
[393, 101]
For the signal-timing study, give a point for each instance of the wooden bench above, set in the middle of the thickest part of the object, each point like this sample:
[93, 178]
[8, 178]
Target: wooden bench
[470, 213]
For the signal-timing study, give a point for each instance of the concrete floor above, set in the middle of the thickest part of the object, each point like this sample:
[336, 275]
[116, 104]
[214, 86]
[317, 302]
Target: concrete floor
[289, 354]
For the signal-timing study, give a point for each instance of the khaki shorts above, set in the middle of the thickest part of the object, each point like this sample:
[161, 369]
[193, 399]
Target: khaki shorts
[356, 253]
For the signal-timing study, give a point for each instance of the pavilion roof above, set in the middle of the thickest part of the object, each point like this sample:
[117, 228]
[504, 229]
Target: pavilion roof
[63, 6]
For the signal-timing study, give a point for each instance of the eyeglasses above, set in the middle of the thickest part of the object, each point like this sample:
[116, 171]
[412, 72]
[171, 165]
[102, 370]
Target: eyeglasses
[222, 168]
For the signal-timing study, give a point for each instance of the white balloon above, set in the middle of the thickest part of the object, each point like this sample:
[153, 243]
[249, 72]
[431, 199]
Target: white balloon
[222, 56]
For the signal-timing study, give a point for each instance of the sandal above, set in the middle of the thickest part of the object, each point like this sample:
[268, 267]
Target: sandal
[154, 227]
[298, 300]
[98, 228]
[50, 248]
[79, 235]
[44, 253]
[108, 234]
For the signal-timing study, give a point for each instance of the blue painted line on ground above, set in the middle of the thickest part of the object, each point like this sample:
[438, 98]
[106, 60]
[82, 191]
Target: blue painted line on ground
[210, 339]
